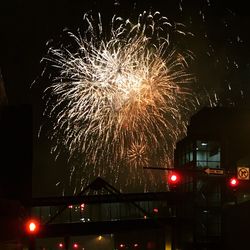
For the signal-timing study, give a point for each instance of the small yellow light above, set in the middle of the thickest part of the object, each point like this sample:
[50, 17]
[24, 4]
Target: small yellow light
[100, 237]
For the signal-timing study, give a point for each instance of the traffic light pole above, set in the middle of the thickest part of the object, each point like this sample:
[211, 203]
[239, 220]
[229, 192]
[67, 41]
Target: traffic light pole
[67, 242]
[32, 242]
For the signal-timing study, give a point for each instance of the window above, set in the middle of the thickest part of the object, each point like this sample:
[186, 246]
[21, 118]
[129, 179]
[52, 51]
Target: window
[207, 154]
[186, 153]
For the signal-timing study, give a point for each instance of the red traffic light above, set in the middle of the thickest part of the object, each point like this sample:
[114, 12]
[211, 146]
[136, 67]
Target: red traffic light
[173, 178]
[60, 245]
[233, 182]
[32, 226]
[75, 245]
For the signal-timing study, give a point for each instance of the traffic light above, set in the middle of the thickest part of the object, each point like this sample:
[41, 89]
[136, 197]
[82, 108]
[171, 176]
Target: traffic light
[60, 245]
[233, 183]
[75, 246]
[32, 227]
[174, 179]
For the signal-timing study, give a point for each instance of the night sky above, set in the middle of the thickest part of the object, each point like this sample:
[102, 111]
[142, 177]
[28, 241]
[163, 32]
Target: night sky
[220, 43]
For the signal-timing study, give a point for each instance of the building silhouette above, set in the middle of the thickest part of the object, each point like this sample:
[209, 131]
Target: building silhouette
[15, 168]
[216, 144]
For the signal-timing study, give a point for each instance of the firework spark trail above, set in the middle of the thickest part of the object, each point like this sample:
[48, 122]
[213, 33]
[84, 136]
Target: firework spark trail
[222, 60]
[103, 112]
[121, 99]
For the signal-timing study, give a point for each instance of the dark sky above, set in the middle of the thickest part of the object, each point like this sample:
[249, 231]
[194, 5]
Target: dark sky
[221, 46]
[26, 26]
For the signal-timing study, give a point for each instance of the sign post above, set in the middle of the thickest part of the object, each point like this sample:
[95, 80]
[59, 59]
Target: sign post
[243, 173]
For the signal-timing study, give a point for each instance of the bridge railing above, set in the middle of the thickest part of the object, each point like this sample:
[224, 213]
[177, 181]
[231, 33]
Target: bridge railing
[97, 212]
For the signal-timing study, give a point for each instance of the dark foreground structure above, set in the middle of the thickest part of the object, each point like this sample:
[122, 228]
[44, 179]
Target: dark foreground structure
[16, 171]
[215, 150]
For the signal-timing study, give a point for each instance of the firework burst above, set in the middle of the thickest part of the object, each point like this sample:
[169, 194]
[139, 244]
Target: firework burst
[122, 97]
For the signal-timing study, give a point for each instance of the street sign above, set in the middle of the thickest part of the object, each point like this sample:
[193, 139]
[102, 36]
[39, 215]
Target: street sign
[214, 171]
[243, 173]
